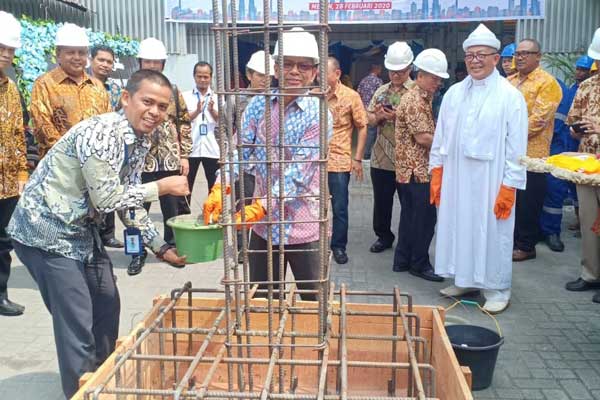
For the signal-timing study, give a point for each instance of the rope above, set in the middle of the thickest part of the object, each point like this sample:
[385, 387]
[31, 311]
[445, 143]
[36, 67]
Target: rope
[474, 303]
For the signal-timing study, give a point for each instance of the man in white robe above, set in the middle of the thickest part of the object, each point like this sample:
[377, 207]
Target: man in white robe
[474, 162]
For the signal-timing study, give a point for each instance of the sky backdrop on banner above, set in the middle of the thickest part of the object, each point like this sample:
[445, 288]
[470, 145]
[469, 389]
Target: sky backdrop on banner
[367, 11]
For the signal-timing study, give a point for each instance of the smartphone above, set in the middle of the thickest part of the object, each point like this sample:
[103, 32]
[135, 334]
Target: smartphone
[579, 128]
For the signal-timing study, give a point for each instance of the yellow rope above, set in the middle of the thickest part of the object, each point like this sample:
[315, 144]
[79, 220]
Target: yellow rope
[474, 303]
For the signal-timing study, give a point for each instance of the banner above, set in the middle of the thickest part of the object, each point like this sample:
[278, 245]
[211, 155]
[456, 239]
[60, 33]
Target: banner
[363, 12]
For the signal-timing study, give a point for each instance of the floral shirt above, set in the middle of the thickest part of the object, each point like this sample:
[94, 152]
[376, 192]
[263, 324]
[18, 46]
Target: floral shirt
[348, 113]
[542, 94]
[383, 154]
[367, 87]
[13, 152]
[58, 103]
[94, 169]
[169, 144]
[415, 116]
[587, 103]
[299, 179]
[114, 92]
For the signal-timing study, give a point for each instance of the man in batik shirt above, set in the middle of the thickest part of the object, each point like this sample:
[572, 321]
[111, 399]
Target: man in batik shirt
[366, 89]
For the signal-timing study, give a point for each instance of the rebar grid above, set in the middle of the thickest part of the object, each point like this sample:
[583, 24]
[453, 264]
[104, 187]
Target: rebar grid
[179, 381]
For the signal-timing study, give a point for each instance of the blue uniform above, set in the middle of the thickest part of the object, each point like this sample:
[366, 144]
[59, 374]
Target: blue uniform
[558, 190]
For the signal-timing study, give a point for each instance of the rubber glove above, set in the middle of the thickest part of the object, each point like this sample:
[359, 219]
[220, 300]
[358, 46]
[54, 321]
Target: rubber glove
[254, 212]
[213, 206]
[505, 202]
[435, 186]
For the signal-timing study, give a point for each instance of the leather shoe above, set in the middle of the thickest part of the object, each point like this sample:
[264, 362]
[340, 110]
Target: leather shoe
[10, 309]
[340, 256]
[379, 246]
[554, 243]
[114, 243]
[400, 268]
[521, 255]
[579, 285]
[426, 274]
[136, 264]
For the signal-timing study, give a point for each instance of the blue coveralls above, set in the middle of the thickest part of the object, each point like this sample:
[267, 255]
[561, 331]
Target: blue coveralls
[558, 190]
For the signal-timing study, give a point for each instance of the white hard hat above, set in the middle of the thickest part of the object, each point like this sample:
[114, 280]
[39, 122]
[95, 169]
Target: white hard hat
[594, 49]
[398, 56]
[257, 63]
[482, 36]
[298, 43]
[71, 35]
[11, 31]
[433, 61]
[152, 49]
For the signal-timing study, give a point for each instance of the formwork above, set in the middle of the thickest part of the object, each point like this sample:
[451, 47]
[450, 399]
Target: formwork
[182, 350]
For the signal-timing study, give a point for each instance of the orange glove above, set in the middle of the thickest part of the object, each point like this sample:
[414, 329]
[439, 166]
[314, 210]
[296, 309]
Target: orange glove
[254, 212]
[435, 186]
[213, 206]
[505, 202]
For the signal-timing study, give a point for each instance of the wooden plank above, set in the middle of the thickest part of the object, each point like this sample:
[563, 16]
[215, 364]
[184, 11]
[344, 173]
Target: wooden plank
[468, 375]
[450, 381]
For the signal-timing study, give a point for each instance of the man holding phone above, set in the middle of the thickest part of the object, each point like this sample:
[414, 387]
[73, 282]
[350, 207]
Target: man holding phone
[585, 125]
[381, 113]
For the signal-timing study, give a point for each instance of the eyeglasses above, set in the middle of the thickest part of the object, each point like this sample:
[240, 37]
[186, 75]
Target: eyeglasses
[302, 66]
[522, 54]
[477, 56]
[400, 72]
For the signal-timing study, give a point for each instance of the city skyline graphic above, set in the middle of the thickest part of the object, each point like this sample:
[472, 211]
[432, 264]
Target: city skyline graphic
[370, 11]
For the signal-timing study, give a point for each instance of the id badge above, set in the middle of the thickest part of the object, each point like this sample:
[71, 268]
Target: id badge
[203, 129]
[133, 241]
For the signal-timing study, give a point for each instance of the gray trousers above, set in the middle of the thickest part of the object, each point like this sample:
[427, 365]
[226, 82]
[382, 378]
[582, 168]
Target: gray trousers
[304, 265]
[85, 306]
[589, 202]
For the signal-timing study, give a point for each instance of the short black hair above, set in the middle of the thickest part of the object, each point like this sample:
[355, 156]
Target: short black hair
[203, 64]
[101, 47]
[536, 44]
[134, 83]
[334, 61]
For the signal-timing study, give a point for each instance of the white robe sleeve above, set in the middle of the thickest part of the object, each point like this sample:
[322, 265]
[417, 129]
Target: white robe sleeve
[515, 174]
[435, 157]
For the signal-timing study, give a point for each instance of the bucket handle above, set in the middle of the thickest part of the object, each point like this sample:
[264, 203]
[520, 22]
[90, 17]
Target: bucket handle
[476, 304]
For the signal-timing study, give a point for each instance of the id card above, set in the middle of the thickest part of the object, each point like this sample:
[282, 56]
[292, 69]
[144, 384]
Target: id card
[133, 241]
[203, 129]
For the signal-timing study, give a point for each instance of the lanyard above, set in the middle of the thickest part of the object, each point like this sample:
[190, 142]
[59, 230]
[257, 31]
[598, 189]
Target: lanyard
[205, 104]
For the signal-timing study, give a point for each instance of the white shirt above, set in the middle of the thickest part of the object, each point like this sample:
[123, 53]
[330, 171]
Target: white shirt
[202, 145]
[480, 136]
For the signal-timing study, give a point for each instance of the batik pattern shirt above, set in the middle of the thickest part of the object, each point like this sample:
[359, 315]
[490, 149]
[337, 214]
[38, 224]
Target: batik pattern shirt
[542, 94]
[13, 152]
[94, 169]
[383, 154]
[114, 92]
[367, 88]
[58, 103]
[301, 119]
[587, 104]
[415, 116]
[348, 113]
[168, 144]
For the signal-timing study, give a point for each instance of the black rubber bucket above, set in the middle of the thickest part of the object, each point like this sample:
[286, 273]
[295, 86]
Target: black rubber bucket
[477, 348]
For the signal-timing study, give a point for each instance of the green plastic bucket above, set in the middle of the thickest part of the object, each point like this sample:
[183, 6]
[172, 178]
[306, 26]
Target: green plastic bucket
[199, 242]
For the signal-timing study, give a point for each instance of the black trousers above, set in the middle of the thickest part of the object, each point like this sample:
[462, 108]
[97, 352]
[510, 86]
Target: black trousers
[7, 206]
[249, 182]
[528, 211]
[85, 305]
[416, 227]
[107, 230]
[384, 190]
[304, 265]
[169, 204]
[210, 165]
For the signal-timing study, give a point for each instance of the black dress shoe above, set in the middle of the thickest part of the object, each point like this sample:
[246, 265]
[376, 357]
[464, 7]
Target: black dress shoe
[400, 268]
[339, 255]
[427, 274]
[596, 298]
[379, 246]
[114, 243]
[136, 264]
[580, 285]
[10, 309]
[554, 243]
